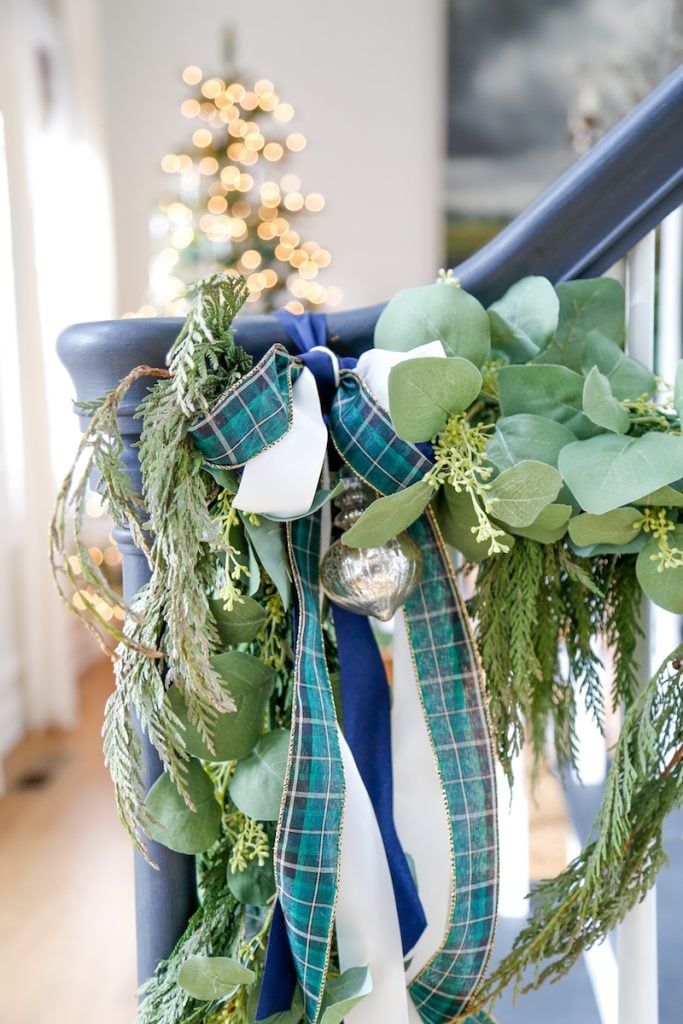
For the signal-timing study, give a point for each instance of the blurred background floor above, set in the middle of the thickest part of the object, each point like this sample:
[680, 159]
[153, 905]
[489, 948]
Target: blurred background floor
[66, 881]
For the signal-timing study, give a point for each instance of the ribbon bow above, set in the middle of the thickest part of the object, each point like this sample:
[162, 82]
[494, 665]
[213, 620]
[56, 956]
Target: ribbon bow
[339, 857]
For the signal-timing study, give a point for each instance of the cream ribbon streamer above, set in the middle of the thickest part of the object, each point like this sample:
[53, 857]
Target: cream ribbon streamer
[424, 835]
[366, 919]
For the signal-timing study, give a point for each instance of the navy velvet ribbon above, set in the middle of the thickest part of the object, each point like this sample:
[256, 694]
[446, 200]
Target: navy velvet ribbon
[309, 331]
[367, 723]
[366, 711]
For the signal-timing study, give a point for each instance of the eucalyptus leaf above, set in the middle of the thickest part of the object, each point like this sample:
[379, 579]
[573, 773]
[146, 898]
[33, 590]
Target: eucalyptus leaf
[212, 977]
[257, 783]
[241, 623]
[321, 498]
[632, 548]
[600, 405]
[585, 306]
[628, 378]
[435, 312]
[664, 588]
[526, 436]
[254, 571]
[664, 496]
[423, 393]
[553, 392]
[612, 470]
[343, 993]
[620, 526]
[250, 683]
[267, 539]
[389, 515]
[255, 885]
[524, 320]
[678, 391]
[520, 493]
[549, 526]
[228, 479]
[457, 521]
[173, 823]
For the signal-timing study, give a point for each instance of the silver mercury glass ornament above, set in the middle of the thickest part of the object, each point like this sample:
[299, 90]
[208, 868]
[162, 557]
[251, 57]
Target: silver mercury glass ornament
[369, 581]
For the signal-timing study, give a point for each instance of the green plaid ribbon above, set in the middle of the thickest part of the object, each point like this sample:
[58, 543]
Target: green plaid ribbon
[252, 416]
[308, 839]
[448, 677]
[247, 420]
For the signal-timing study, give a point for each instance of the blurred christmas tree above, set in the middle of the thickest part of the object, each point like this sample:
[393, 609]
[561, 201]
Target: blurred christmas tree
[233, 204]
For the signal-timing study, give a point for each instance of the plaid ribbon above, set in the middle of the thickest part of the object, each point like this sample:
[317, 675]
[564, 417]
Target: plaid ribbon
[448, 677]
[252, 416]
[308, 839]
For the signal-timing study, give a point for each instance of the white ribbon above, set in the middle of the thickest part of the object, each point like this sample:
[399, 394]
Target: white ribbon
[367, 925]
[424, 834]
[282, 480]
[366, 919]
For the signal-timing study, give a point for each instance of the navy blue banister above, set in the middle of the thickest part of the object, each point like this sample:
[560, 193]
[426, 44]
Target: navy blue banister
[582, 224]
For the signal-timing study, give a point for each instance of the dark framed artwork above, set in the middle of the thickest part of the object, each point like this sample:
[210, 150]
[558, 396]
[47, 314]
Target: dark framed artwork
[531, 85]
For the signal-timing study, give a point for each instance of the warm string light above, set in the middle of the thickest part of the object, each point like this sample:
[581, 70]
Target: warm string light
[236, 215]
[108, 557]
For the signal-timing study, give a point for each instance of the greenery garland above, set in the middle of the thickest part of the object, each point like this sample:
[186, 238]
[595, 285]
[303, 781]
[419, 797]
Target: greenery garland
[557, 471]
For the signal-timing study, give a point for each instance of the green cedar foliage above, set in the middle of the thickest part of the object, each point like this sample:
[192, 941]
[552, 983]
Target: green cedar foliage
[620, 861]
[171, 633]
[530, 604]
[213, 930]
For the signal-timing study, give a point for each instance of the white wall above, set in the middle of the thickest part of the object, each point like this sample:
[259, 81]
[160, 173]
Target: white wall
[367, 79]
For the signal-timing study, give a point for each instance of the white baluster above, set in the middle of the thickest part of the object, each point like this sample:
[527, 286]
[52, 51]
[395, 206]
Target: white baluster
[666, 627]
[513, 824]
[669, 349]
[637, 935]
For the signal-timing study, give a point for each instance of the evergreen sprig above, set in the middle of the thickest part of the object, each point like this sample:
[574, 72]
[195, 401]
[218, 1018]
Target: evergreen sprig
[619, 864]
[204, 360]
[174, 610]
[622, 627]
[213, 930]
[176, 493]
[170, 634]
[137, 704]
[539, 609]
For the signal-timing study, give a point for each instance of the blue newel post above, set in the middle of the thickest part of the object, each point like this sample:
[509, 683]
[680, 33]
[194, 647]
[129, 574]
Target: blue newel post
[98, 356]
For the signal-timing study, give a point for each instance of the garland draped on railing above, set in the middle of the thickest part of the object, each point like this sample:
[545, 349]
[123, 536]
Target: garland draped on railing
[543, 453]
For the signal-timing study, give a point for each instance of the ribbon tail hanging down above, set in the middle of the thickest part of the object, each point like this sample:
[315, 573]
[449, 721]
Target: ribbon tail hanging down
[365, 693]
[328, 873]
[307, 846]
[367, 729]
[445, 977]
[248, 419]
